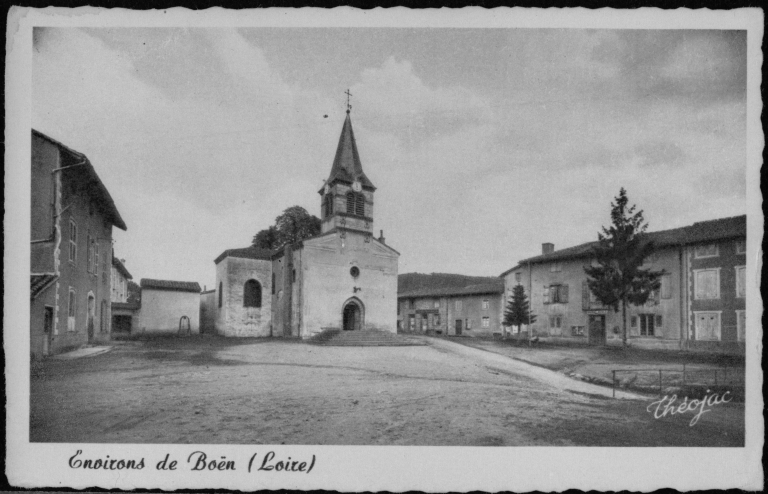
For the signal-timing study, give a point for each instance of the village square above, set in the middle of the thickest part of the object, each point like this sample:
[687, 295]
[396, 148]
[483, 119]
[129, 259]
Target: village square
[358, 270]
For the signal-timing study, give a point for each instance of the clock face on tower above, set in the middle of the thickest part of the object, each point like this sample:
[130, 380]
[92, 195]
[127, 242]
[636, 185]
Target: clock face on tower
[356, 186]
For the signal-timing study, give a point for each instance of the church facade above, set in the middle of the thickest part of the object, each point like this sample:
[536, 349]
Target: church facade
[344, 278]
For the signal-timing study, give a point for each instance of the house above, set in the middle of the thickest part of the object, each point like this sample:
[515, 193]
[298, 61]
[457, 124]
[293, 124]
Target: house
[699, 306]
[169, 307]
[123, 310]
[344, 278]
[473, 310]
[72, 215]
[207, 311]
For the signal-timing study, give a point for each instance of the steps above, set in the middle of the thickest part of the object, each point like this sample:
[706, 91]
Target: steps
[335, 337]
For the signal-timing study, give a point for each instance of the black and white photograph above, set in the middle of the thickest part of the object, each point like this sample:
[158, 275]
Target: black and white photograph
[503, 250]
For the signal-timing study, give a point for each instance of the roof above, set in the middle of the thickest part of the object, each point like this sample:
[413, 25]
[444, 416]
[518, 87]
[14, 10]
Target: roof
[39, 282]
[88, 175]
[118, 264]
[702, 231]
[246, 253]
[479, 289]
[126, 305]
[178, 286]
[346, 165]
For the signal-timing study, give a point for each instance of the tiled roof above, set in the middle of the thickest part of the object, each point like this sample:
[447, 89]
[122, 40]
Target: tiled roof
[703, 231]
[91, 178]
[346, 165]
[126, 305]
[118, 264]
[179, 286]
[480, 289]
[246, 253]
[39, 282]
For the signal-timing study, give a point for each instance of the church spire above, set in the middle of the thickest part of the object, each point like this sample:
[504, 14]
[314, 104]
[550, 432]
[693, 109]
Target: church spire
[346, 165]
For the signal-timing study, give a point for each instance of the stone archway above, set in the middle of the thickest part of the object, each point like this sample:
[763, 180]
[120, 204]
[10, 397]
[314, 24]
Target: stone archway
[353, 315]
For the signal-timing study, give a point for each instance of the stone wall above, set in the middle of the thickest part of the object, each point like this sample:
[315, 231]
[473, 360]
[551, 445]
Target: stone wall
[233, 318]
[161, 310]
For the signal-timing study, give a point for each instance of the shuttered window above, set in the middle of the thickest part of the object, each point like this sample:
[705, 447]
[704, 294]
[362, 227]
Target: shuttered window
[556, 294]
[666, 286]
[741, 324]
[707, 326]
[741, 281]
[707, 283]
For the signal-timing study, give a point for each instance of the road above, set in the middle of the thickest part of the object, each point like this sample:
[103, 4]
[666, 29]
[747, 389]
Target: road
[215, 390]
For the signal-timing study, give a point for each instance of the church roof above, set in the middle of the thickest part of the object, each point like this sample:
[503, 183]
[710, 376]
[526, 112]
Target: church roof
[246, 253]
[346, 164]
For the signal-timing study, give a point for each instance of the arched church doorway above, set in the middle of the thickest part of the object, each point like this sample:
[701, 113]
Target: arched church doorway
[352, 315]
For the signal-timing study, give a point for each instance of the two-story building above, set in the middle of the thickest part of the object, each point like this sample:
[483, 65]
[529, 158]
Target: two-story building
[700, 304]
[72, 214]
[123, 310]
[475, 310]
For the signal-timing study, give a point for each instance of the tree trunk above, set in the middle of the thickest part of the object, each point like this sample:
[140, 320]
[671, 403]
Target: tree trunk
[624, 323]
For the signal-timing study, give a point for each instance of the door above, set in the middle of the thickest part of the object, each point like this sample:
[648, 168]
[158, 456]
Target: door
[47, 330]
[104, 328]
[91, 315]
[351, 317]
[458, 327]
[597, 330]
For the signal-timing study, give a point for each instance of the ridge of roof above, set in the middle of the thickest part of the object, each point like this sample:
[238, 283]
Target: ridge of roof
[118, 264]
[101, 189]
[182, 286]
[346, 163]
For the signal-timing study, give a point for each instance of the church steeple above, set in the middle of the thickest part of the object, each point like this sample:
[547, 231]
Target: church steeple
[347, 196]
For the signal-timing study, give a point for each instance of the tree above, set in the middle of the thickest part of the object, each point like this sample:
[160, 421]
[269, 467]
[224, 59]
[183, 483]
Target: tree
[616, 277]
[293, 225]
[518, 311]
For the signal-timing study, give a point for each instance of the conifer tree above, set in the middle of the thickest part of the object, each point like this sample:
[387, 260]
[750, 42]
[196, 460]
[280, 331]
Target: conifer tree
[616, 278]
[518, 311]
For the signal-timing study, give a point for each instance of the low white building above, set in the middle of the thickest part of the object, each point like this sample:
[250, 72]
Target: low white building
[168, 306]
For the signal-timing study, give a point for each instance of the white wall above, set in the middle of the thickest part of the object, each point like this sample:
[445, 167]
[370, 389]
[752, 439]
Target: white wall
[162, 309]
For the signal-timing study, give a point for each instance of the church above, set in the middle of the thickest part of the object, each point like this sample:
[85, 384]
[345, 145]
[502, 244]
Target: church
[342, 279]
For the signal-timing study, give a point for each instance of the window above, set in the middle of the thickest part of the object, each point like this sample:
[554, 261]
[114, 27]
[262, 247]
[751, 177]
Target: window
[72, 309]
[708, 250]
[518, 277]
[555, 321]
[556, 294]
[273, 285]
[293, 275]
[437, 319]
[666, 286]
[741, 324]
[741, 246]
[468, 323]
[72, 241]
[328, 203]
[741, 281]
[252, 294]
[556, 267]
[221, 293]
[486, 322]
[707, 326]
[577, 330]
[486, 304]
[350, 203]
[412, 322]
[706, 284]
[458, 305]
[355, 204]
[647, 324]
[96, 258]
[398, 308]
[437, 304]
[88, 254]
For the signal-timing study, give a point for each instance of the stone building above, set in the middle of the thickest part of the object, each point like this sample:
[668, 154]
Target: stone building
[700, 305]
[343, 278]
[169, 307]
[123, 311]
[72, 215]
[475, 310]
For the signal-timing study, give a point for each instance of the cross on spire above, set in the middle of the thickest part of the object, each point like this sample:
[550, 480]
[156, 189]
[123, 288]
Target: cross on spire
[349, 107]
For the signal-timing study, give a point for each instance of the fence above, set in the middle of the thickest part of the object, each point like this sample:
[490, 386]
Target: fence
[687, 376]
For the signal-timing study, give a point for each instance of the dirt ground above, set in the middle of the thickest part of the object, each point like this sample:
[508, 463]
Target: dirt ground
[246, 391]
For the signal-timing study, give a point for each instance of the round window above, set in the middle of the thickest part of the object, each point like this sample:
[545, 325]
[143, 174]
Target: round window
[354, 271]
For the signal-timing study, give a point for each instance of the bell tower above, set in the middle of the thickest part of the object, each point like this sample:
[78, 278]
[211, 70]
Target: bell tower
[347, 196]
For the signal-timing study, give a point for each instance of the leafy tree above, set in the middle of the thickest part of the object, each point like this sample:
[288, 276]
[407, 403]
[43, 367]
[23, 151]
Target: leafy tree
[616, 278]
[293, 225]
[518, 310]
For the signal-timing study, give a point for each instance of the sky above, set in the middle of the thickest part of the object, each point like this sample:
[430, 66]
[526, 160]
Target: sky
[482, 143]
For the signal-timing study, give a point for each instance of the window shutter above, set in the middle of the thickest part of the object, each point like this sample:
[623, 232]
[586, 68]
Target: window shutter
[585, 295]
[564, 294]
[545, 294]
[659, 321]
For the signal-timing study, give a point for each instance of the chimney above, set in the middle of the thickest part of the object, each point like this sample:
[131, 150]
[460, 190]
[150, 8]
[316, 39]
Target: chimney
[547, 248]
[381, 236]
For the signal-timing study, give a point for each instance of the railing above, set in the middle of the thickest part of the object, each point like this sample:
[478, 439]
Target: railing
[685, 373]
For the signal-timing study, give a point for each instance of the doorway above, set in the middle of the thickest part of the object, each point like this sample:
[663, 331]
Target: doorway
[47, 330]
[91, 315]
[104, 328]
[597, 329]
[352, 315]
[458, 327]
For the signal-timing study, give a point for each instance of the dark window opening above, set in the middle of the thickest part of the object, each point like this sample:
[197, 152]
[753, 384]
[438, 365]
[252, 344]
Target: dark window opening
[354, 271]
[328, 201]
[360, 205]
[252, 294]
[350, 203]
[273, 283]
[221, 298]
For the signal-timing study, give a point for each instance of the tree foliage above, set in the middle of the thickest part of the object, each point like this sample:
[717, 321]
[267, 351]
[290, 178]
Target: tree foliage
[616, 278]
[518, 310]
[293, 225]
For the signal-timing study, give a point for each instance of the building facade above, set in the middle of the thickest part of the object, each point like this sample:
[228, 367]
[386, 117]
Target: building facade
[72, 215]
[123, 311]
[344, 278]
[475, 310]
[699, 306]
[169, 307]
